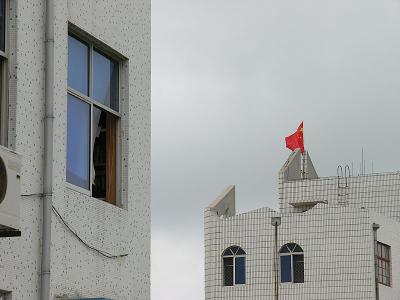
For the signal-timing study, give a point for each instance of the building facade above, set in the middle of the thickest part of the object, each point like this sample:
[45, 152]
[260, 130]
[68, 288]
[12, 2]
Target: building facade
[75, 104]
[336, 238]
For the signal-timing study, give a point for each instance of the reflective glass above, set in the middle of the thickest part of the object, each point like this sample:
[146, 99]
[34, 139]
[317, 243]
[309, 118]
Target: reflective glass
[78, 142]
[105, 80]
[78, 65]
[240, 270]
[3, 25]
[286, 268]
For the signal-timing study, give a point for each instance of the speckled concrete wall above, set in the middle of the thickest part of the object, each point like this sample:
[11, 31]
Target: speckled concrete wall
[124, 26]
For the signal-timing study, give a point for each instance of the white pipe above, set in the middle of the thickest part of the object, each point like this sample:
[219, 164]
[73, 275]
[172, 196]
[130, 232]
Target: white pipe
[48, 151]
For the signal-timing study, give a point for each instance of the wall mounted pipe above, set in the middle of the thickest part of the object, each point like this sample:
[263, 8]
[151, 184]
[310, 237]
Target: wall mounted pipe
[48, 152]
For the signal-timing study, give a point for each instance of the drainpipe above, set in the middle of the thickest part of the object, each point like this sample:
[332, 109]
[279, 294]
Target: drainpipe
[276, 221]
[375, 228]
[48, 151]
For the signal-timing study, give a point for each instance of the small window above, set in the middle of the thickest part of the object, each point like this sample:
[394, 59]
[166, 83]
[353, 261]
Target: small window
[92, 122]
[234, 266]
[384, 265]
[3, 75]
[292, 263]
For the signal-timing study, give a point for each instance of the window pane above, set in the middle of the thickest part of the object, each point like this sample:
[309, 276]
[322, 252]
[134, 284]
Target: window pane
[234, 249]
[78, 65]
[298, 268]
[228, 271]
[78, 142]
[240, 252]
[3, 111]
[297, 248]
[105, 80]
[227, 252]
[284, 249]
[2, 25]
[240, 270]
[104, 156]
[286, 268]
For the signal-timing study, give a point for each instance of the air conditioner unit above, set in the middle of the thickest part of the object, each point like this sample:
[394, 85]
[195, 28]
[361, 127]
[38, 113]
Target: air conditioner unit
[10, 192]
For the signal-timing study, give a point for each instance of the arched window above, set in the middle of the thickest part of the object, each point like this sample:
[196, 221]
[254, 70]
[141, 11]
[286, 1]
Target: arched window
[292, 263]
[234, 264]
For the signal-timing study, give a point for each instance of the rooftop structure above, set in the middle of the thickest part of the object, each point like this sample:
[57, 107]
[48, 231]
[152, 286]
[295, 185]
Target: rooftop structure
[333, 238]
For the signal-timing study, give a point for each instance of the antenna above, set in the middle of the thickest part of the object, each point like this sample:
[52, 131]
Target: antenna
[352, 171]
[362, 161]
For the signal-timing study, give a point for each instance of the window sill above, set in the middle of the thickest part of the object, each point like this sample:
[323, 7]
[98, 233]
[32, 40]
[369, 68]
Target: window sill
[236, 285]
[87, 194]
[78, 189]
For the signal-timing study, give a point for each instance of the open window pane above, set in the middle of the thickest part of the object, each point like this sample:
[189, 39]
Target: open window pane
[286, 268]
[104, 155]
[78, 142]
[105, 80]
[240, 270]
[3, 25]
[298, 268]
[78, 65]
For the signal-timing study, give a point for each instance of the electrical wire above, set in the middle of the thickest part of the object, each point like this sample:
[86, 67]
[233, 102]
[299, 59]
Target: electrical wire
[101, 252]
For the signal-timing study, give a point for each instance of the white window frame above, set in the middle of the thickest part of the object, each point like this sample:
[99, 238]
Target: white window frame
[93, 46]
[234, 267]
[4, 82]
[291, 254]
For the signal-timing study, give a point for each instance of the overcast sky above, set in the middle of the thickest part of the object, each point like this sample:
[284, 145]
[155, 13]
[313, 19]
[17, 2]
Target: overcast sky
[230, 79]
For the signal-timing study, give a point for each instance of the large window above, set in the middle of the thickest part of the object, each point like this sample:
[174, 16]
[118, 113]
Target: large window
[383, 264]
[234, 266]
[292, 263]
[3, 74]
[92, 120]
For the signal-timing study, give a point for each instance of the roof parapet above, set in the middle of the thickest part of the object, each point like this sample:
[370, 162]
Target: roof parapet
[224, 205]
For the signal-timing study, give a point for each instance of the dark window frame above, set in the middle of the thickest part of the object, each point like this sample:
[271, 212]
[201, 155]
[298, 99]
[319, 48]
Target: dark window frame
[234, 253]
[113, 114]
[384, 264]
[293, 251]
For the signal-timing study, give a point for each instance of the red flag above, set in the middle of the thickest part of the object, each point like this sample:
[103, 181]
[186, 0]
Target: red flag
[295, 140]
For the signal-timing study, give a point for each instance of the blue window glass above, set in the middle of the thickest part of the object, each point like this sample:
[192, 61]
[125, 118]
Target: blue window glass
[240, 270]
[78, 142]
[78, 65]
[286, 268]
[105, 80]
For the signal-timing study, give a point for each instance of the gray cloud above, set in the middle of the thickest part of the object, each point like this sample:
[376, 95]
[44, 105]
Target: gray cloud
[231, 78]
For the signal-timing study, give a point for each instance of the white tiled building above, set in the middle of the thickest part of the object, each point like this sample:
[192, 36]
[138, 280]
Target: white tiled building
[325, 246]
[75, 104]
